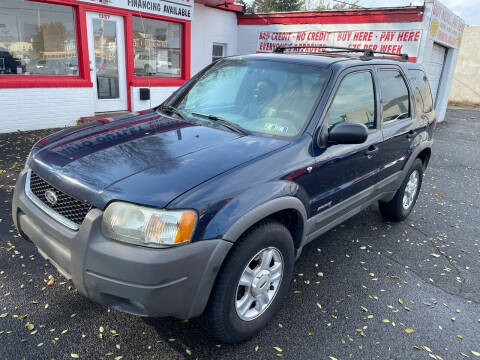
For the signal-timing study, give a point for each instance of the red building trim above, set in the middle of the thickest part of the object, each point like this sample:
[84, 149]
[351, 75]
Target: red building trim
[83, 79]
[129, 57]
[408, 14]
[42, 81]
[185, 52]
[52, 81]
[82, 44]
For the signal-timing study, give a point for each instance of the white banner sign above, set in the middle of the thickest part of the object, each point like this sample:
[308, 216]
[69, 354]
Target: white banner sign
[446, 27]
[397, 42]
[180, 9]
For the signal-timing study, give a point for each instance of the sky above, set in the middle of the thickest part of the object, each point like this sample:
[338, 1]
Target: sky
[468, 10]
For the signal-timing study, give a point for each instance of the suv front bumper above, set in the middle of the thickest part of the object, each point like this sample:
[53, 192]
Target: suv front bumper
[143, 281]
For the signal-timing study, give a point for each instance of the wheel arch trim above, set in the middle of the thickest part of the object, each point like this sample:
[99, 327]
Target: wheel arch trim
[263, 211]
[424, 145]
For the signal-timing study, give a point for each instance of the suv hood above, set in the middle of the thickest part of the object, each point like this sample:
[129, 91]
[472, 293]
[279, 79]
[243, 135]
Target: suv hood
[146, 158]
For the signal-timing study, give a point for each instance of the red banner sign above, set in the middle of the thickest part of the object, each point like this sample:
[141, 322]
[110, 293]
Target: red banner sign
[398, 42]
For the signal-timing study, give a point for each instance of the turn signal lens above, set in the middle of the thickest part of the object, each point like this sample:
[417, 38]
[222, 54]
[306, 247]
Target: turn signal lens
[186, 227]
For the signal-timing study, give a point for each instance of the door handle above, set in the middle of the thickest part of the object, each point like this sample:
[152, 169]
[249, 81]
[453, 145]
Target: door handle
[411, 134]
[372, 151]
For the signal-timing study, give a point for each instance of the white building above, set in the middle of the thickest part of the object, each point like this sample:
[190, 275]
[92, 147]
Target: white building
[107, 66]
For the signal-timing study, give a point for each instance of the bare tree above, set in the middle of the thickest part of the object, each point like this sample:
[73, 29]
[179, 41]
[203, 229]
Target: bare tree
[332, 4]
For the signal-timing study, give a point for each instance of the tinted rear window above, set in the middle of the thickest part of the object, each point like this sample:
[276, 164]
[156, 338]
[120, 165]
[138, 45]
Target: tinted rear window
[395, 99]
[422, 93]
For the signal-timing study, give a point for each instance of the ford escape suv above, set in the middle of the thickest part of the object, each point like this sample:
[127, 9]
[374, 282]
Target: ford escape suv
[200, 207]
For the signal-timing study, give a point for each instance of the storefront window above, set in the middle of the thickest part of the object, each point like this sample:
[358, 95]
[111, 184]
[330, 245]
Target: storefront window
[157, 48]
[37, 39]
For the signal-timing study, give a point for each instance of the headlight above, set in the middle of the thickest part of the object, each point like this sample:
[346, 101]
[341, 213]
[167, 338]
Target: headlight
[146, 226]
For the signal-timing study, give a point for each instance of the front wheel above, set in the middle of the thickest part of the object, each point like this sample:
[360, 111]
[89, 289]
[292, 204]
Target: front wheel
[252, 283]
[406, 196]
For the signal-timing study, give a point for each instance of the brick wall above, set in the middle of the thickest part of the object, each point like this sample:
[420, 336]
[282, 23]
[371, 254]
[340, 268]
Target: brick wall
[157, 95]
[29, 109]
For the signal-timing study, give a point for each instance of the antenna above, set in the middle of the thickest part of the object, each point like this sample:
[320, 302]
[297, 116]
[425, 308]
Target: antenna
[149, 59]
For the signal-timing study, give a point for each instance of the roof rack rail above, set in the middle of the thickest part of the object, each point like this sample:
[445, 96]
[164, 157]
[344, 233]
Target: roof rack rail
[366, 52]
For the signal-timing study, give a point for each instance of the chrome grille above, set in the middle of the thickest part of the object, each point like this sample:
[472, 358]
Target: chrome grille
[66, 205]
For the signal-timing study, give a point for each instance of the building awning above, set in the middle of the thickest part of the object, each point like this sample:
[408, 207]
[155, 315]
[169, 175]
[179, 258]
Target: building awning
[228, 5]
[351, 16]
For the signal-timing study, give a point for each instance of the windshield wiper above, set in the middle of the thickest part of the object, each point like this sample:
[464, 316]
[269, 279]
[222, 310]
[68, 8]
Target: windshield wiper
[174, 110]
[228, 124]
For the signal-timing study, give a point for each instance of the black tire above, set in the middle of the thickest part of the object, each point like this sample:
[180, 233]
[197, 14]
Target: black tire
[220, 317]
[394, 210]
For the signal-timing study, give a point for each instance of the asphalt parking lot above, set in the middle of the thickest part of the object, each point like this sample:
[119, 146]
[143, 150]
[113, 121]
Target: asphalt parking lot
[368, 289]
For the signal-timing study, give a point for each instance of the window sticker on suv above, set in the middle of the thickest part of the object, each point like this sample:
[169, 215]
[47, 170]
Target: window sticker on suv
[275, 128]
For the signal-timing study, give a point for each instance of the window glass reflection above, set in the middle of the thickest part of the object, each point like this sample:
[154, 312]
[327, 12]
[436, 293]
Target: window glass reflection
[37, 39]
[354, 101]
[395, 101]
[106, 58]
[157, 47]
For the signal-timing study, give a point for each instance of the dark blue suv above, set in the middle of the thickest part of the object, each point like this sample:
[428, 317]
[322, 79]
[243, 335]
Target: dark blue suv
[200, 207]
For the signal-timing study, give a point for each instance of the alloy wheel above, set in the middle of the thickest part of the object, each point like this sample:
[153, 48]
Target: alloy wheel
[259, 283]
[411, 189]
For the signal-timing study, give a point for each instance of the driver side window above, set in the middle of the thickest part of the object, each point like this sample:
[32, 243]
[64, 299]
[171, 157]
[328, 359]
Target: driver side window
[354, 101]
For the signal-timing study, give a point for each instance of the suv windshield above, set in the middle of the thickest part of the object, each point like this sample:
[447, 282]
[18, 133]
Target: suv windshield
[266, 97]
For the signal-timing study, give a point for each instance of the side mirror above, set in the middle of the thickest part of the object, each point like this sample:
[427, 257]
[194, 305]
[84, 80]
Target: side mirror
[347, 133]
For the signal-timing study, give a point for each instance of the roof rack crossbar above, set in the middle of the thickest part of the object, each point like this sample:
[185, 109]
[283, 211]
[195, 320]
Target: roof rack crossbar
[338, 49]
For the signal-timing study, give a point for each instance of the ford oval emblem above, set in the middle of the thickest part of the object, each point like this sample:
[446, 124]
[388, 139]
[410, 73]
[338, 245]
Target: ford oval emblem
[51, 197]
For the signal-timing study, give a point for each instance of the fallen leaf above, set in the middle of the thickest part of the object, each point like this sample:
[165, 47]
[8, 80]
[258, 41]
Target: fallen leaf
[75, 356]
[426, 348]
[409, 330]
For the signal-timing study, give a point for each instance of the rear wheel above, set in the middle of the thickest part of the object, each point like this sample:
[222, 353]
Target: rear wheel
[404, 200]
[252, 283]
